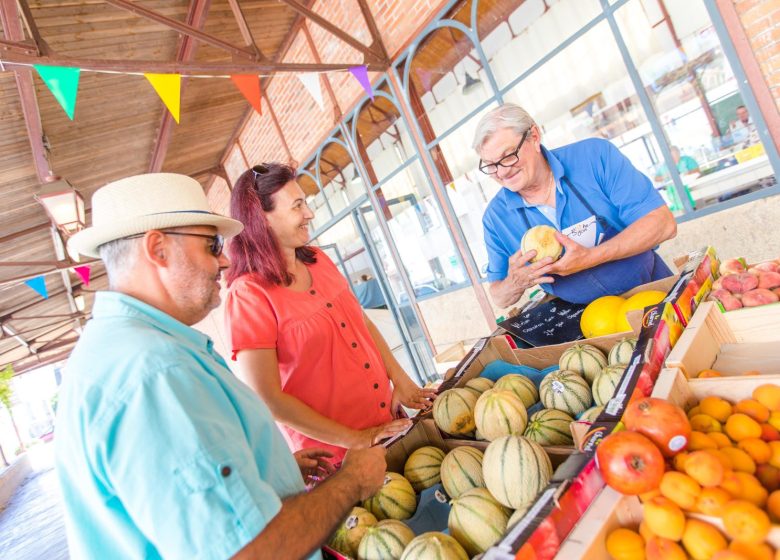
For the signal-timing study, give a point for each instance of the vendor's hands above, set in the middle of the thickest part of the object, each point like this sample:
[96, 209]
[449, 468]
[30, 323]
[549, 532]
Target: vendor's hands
[366, 468]
[313, 464]
[523, 275]
[408, 394]
[575, 258]
[375, 434]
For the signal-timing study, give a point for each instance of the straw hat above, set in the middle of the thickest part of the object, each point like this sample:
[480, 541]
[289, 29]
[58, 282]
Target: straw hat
[144, 202]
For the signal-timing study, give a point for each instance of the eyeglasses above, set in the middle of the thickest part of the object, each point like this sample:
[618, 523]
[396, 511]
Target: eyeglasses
[261, 169]
[215, 247]
[507, 161]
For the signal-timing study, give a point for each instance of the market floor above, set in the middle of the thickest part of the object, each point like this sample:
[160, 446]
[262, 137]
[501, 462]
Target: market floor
[31, 525]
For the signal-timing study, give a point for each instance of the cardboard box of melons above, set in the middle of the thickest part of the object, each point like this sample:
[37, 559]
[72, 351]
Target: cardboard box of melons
[710, 347]
[725, 497]
[434, 486]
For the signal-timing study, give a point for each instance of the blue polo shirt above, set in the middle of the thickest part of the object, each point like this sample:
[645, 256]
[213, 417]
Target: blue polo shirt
[613, 187]
[161, 451]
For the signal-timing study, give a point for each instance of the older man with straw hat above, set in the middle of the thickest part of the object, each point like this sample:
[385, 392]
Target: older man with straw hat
[161, 451]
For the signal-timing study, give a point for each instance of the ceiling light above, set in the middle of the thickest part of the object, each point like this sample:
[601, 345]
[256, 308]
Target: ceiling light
[64, 206]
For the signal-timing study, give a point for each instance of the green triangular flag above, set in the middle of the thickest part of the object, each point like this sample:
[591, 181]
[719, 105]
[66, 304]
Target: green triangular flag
[63, 82]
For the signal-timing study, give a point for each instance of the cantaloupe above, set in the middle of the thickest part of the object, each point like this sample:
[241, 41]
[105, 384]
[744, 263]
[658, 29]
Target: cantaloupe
[515, 470]
[542, 240]
[461, 471]
[499, 413]
[479, 385]
[348, 535]
[477, 520]
[621, 352]
[385, 541]
[566, 391]
[605, 383]
[422, 467]
[591, 414]
[453, 411]
[521, 386]
[516, 516]
[395, 500]
[434, 546]
[549, 427]
[583, 359]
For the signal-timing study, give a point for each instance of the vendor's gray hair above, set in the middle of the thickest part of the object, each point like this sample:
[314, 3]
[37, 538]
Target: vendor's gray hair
[119, 257]
[508, 115]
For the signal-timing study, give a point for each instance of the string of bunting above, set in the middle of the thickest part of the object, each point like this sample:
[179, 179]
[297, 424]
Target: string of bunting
[63, 83]
[38, 283]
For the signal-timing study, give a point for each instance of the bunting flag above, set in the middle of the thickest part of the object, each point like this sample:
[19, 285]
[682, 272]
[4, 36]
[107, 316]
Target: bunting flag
[361, 74]
[425, 79]
[249, 86]
[39, 285]
[83, 272]
[311, 81]
[63, 83]
[168, 87]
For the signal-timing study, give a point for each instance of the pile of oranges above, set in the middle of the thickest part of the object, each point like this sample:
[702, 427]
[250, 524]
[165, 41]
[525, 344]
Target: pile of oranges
[730, 471]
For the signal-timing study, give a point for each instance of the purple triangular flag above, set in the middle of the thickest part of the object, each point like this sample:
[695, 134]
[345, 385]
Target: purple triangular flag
[39, 285]
[361, 74]
[83, 272]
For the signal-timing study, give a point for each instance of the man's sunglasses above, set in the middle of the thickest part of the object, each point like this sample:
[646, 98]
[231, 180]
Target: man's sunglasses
[215, 247]
[507, 161]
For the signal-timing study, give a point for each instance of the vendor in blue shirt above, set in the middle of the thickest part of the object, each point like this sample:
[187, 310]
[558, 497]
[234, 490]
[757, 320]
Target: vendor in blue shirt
[608, 215]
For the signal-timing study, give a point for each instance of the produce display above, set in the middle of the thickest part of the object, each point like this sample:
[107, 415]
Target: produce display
[741, 285]
[385, 541]
[608, 314]
[521, 386]
[461, 471]
[453, 411]
[347, 537]
[515, 470]
[423, 467]
[549, 427]
[499, 413]
[477, 520]
[434, 546]
[566, 391]
[395, 500]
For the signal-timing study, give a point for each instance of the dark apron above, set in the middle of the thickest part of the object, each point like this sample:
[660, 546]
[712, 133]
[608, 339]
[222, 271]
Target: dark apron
[610, 278]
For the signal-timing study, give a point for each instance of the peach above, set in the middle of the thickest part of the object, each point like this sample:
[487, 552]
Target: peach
[759, 296]
[732, 266]
[664, 518]
[745, 522]
[702, 540]
[769, 280]
[740, 283]
[717, 284]
[658, 548]
[766, 266]
[751, 551]
[682, 489]
[727, 299]
[776, 291]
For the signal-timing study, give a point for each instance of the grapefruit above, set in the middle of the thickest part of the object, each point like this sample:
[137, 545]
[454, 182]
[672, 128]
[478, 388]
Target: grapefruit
[639, 301]
[600, 316]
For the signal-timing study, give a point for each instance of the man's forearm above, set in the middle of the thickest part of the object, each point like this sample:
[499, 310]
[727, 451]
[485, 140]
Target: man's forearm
[505, 292]
[305, 521]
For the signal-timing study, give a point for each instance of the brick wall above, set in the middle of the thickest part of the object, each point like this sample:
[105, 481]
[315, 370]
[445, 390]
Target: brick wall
[761, 21]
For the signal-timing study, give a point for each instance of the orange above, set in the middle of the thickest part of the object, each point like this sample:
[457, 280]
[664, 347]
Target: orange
[768, 395]
[705, 423]
[700, 440]
[649, 495]
[721, 439]
[678, 461]
[741, 426]
[751, 489]
[774, 447]
[712, 500]
[732, 484]
[758, 449]
[722, 457]
[693, 411]
[773, 506]
[705, 373]
[704, 468]
[752, 408]
[744, 521]
[663, 549]
[774, 420]
[680, 488]
[664, 518]
[625, 544]
[769, 432]
[645, 531]
[718, 408]
[752, 551]
[769, 477]
[702, 540]
[740, 459]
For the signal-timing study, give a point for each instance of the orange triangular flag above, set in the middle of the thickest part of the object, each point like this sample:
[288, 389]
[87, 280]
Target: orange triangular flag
[249, 86]
[168, 87]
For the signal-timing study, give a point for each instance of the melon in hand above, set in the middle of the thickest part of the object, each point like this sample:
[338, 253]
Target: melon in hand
[542, 240]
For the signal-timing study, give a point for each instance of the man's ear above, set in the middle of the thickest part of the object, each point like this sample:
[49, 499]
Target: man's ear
[156, 247]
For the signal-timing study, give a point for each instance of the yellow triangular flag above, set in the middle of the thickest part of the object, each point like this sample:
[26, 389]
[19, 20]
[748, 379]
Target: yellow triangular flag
[168, 87]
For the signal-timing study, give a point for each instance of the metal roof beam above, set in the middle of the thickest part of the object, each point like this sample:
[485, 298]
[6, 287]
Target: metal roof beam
[182, 28]
[243, 27]
[378, 45]
[196, 17]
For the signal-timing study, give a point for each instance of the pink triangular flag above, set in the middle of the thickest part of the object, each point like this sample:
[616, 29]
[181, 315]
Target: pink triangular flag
[361, 74]
[249, 86]
[83, 272]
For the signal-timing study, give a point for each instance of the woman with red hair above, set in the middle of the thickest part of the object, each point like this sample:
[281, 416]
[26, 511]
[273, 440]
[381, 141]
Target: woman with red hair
[299, 335]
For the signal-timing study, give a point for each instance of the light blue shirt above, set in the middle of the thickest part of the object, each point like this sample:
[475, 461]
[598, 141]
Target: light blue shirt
[161, 451]
[613, 187]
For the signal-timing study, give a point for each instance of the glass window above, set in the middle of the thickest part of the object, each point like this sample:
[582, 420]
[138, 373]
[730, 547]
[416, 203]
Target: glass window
[715, 143]
[338, 178]
[314, 197]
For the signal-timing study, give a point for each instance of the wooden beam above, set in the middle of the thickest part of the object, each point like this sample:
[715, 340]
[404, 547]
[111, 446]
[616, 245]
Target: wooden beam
[196, 17]
[369, 55]
[43, 46]
[378, 45]
[32, 263]
[243, 27]
[20, 47]
[37, 361]
[9, 15]
[173, 67]
[182, 28]
[278, 128]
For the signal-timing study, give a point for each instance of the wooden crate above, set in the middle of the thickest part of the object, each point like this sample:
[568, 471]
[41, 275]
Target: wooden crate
[712, 341]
